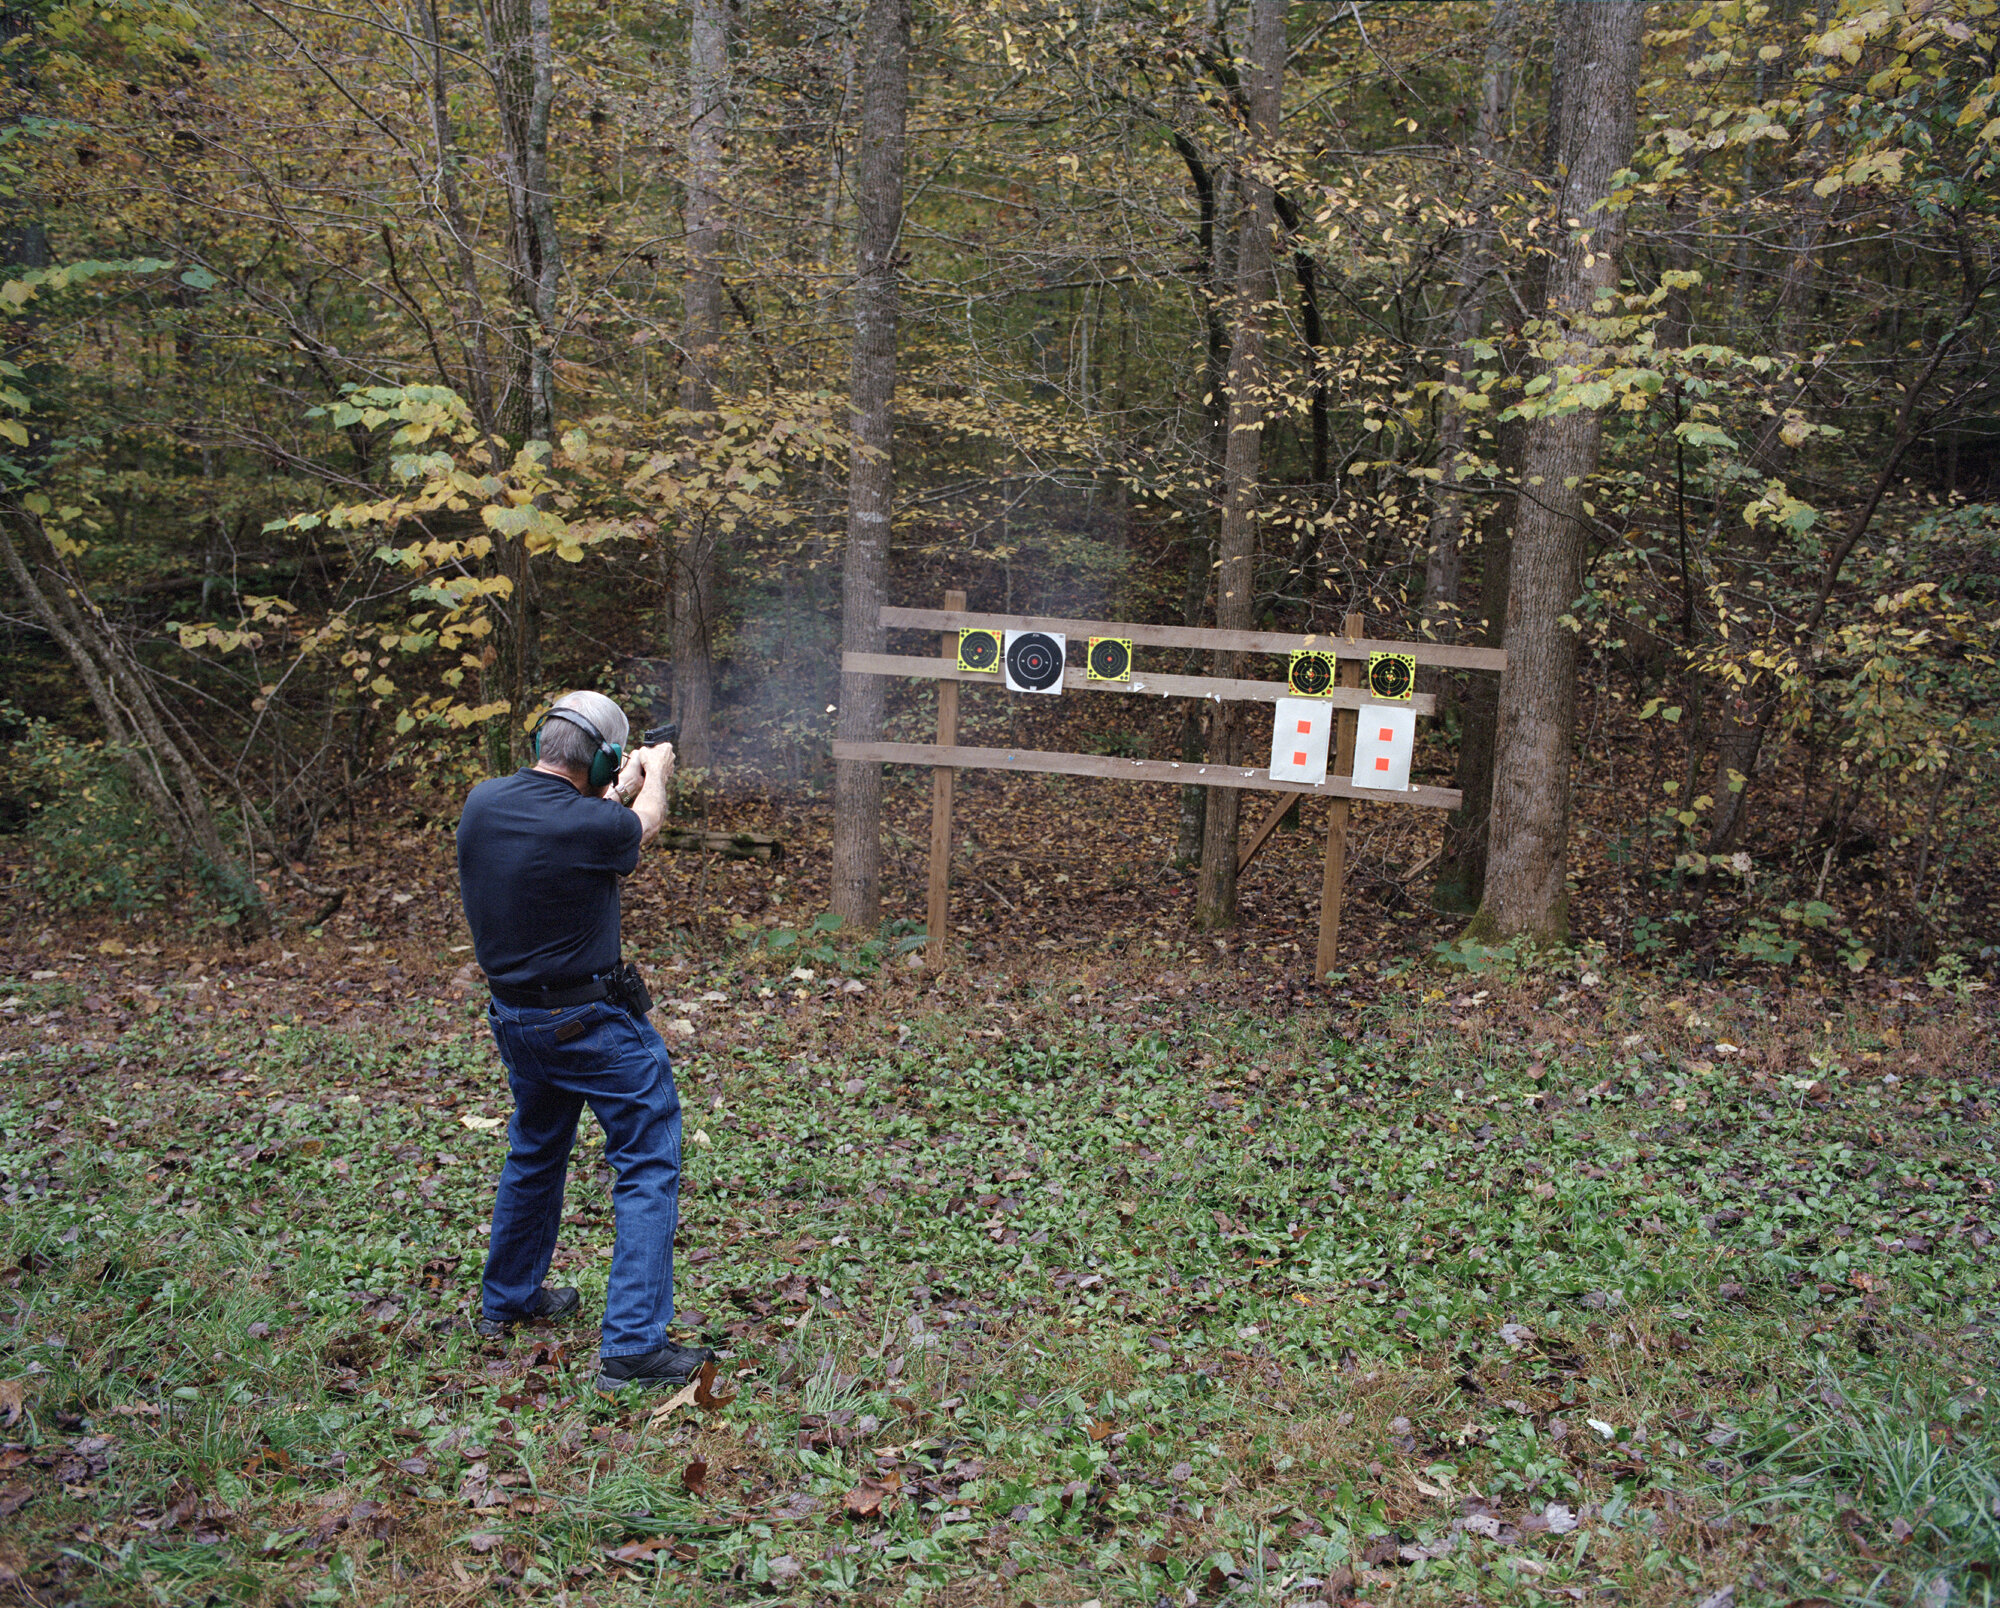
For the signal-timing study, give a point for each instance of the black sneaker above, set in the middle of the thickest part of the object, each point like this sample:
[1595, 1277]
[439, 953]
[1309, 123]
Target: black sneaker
[548, 1303]
[671, 1365]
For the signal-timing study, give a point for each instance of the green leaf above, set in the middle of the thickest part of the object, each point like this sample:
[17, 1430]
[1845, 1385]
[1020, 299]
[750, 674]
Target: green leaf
[200, 279]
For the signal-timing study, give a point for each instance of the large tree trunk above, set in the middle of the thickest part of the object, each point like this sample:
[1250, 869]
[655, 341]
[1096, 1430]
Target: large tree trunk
[1461, 875]
[1213, 193]
[701, 339]
[1444, 564]
[857, 785]
[1528, 856]
[521, 53]
[1236, 576]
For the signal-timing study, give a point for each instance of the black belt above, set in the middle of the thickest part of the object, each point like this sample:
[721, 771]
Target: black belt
[551, 999]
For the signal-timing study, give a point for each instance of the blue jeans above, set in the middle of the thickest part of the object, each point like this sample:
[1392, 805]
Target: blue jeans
[617, 1065]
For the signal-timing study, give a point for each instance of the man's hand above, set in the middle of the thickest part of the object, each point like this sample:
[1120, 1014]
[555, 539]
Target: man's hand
[631, 775]
[656, 765]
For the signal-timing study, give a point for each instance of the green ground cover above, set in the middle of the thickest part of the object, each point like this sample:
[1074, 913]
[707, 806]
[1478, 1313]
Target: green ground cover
[1030, 1293]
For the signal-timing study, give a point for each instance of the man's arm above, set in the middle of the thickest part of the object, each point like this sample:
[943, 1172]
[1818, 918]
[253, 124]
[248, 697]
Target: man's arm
[651, 804]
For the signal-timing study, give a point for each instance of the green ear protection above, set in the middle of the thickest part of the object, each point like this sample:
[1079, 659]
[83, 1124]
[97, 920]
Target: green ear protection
[603, 764]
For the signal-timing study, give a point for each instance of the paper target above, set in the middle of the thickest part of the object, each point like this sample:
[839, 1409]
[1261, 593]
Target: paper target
[1392, 676]
[979, 650]
[1034, 661]
[1109, 659]
[1384, 737]
[1300, 736]
[1312, 673]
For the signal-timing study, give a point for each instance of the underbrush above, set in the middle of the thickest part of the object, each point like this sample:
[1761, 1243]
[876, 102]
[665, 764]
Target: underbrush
[1038, 1293]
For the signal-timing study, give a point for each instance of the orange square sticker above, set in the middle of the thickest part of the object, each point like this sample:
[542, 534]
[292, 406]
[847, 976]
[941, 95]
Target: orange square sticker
[1305, 728]
[1298, 757]
[1386, 736]
[1382, 763]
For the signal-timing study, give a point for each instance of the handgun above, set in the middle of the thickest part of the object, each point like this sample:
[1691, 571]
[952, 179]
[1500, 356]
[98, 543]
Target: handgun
[669, 733]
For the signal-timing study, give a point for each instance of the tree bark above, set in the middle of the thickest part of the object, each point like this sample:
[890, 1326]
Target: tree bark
[1213, 235]
[857, 785]
[521, 52]
[1461, 875]
[701, 339]
[1526, 892]
[1236, 577]
[1444, 564]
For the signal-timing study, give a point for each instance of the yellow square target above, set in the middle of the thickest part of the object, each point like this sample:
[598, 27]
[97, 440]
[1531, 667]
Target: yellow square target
[1392, 677]
[978, 650]
[1312, 673]
[1109, 659]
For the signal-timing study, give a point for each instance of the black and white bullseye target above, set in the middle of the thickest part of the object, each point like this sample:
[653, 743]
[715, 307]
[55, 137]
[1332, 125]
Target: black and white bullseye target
[1109, 659]
[1311, 673]
[1034, 661]
[978, 650]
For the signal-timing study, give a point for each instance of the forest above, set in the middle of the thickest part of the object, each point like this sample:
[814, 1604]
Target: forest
[1608, 1216]
[375, 375]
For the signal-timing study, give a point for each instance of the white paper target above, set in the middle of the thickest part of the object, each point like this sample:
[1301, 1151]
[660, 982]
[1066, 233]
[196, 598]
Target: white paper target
[1384, 737]
[1032, 661]
[1299, 740]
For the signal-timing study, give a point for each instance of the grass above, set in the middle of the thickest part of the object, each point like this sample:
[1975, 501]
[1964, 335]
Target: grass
[1030, 1293]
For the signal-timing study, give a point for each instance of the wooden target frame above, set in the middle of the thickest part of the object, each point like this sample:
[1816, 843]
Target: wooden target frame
[1347, 697]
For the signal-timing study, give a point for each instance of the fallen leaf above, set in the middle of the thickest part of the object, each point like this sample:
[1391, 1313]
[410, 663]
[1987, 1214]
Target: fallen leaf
[695, 1477]
[482, 1541]
[683, 1397]
[13, 1400]
[647, 1550]
[706, 1396]
[482, 1124]
[15, 1497]
[866, 1499]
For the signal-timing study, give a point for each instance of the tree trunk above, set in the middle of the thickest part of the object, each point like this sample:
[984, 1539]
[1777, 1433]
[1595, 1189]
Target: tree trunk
[1525, 880]
[1461, 875]
[1213, 191]
[470, 323]
[1444, 564]
[521, 53]
[701, 339]
[1236, 578]
[857, 785]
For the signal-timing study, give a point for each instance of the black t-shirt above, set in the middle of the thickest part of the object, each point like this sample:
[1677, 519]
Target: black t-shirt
[538, 869]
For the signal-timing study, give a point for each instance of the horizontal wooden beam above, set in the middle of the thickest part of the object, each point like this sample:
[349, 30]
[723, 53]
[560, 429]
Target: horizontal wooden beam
[1446, 655]
[1050, 763]
[1143, 682]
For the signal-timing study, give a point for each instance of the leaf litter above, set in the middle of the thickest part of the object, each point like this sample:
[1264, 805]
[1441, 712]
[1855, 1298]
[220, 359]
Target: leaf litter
[1161, 1261]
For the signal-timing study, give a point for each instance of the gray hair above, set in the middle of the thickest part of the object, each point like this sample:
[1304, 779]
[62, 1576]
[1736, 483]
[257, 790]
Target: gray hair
[567, 744]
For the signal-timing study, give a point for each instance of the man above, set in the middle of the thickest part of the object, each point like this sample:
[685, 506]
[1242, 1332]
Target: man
[540, 857]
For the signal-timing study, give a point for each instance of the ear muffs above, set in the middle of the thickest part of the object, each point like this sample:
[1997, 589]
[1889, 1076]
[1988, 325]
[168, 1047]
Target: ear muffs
[603, 764]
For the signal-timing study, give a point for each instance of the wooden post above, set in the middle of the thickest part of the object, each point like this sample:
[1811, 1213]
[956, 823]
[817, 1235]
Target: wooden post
[1263, 833]
[1336, 827]
[941, 780]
